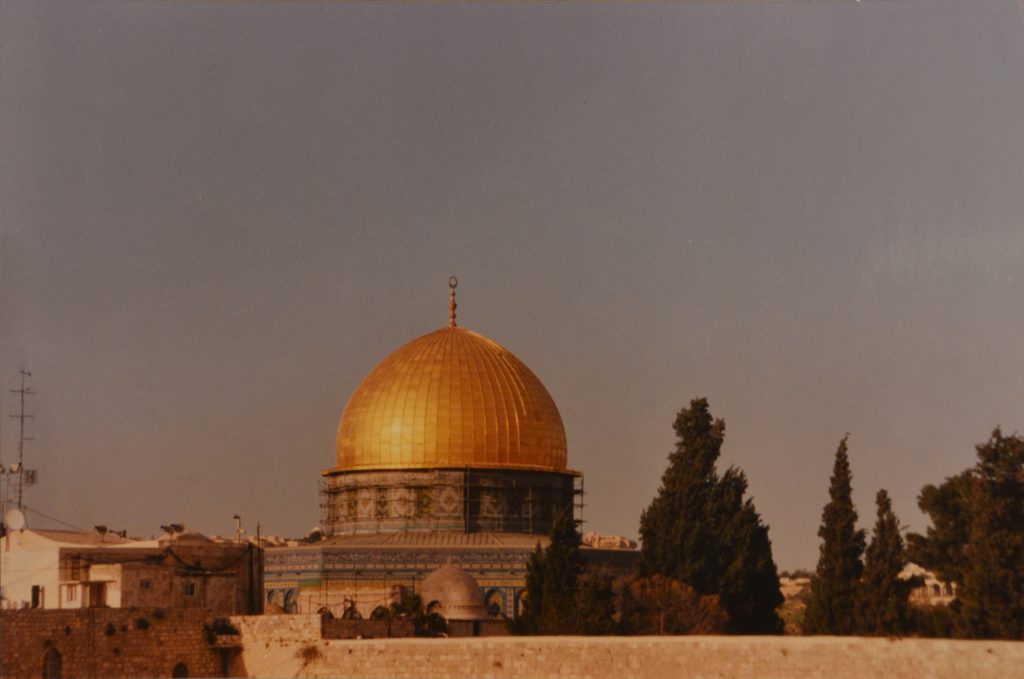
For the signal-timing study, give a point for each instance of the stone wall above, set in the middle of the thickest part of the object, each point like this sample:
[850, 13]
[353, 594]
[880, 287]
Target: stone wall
[270, 643]
[108, 642]
[150, 643]
[340, 628]
[297, 655]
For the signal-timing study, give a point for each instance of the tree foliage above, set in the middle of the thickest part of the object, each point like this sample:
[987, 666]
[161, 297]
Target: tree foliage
[992, 594]
[883, 603]
[700, 530]
[596, 603]
[832, 606]
[409, 606]
[658, 605]
[551, 581]
[941, 549]
[977, 539]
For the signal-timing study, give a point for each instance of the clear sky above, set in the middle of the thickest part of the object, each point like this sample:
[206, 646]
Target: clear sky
[218, 217]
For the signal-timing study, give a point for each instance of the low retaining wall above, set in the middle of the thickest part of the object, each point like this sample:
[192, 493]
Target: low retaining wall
[598, 657]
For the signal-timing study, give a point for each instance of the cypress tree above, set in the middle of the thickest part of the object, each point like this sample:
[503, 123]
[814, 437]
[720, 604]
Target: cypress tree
[832, 605]
[884, 606]
[551, 579]
[700, 530]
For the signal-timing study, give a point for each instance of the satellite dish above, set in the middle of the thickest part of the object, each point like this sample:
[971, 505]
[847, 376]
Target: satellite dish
[14, 519]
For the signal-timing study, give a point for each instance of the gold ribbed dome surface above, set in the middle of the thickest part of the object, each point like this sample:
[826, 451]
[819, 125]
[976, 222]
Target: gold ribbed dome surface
[451, 398]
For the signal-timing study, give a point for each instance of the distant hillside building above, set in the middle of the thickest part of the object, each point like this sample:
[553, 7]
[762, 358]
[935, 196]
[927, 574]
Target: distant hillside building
[50, 569]
[928, 589]
[451, 451]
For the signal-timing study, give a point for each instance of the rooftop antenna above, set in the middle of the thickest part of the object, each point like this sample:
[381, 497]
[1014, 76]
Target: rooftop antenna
[24, 475]
[453, 283]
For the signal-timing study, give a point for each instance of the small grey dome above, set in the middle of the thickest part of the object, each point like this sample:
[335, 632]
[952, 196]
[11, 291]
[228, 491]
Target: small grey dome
[456, 592]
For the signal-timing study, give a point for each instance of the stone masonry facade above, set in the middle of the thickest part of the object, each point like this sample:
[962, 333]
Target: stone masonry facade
[117, 643]
[293, 649]
[110, 642]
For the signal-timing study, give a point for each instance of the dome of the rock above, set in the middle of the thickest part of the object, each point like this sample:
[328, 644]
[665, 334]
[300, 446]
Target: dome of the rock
[450, 471]
[451, 398]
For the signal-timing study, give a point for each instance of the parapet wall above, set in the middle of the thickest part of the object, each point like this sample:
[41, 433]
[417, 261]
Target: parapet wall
[796, 657]
[108, 642]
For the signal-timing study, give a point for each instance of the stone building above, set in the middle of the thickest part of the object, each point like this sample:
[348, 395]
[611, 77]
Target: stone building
[450, 451]
[49, 569]
[928, 589]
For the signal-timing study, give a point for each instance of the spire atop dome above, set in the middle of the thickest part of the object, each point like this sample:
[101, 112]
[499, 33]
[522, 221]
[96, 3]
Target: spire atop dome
[453, 282]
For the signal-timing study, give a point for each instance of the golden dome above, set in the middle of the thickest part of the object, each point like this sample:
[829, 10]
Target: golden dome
[451, 398]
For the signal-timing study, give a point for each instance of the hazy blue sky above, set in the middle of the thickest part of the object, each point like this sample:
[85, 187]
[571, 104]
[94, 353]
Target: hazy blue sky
[218, 217]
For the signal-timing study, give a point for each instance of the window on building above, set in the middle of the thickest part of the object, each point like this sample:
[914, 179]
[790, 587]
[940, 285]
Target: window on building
[190, 589]
[180, 670]
[97, 594]
[495, 603]
[72, 592]
[145, 584]
[37, 596]
[70, 567]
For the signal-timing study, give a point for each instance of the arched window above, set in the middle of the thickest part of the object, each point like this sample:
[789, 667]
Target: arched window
[276, 597]
[180, 670]
[495, 603]
[379, 613]
[291, 601]
[51, 663]
[351, 612]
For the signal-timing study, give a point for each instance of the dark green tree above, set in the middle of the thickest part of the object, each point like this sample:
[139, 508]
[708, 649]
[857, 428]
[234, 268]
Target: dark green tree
[992, 594]
[700, 530]
[410, 607]
[552, 575]
[832, 605]
[977, 539]
[749, 585]
[658, 605]
[883, 603]
[941, 548]
[595, 602]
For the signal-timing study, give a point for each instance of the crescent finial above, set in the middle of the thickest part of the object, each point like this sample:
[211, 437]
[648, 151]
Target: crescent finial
[453, 282]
